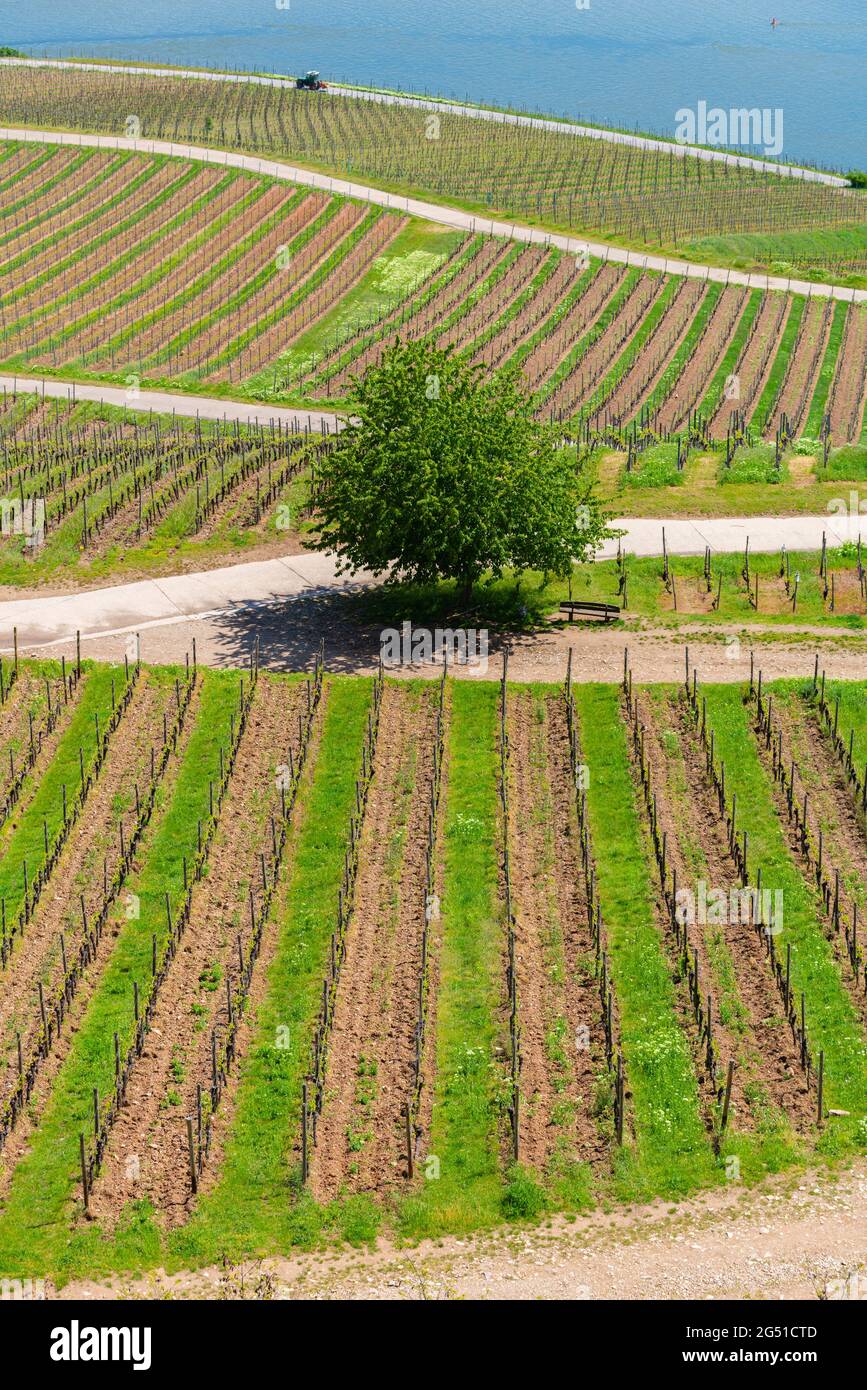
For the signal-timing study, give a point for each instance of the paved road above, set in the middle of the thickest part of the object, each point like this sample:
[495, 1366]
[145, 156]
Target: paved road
[434, 212]
[168, 403]
[243, 589]
[479, 113]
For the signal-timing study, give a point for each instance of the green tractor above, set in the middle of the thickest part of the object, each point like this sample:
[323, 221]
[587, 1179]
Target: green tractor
[310, 83]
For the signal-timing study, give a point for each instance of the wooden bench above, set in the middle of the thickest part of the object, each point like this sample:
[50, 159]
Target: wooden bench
[577, 608]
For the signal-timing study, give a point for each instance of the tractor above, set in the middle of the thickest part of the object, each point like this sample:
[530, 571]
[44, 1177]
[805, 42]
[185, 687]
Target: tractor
[310, 83]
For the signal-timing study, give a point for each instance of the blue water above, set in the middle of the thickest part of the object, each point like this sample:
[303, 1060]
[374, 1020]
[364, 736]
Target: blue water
[630, 63]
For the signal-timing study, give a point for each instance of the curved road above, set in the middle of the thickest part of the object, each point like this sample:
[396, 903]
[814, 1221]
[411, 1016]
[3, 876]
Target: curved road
[243, 589]
[432, 212]
[168, 403]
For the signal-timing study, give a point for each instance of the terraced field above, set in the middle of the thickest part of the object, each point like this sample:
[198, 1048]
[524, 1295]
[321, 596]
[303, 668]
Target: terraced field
[656, 198]
[87, 490]
[168, 267]
[284, 958]
[602, 348]
[152, 270]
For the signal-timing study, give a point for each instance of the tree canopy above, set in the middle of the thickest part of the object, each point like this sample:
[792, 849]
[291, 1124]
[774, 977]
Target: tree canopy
[442, 474]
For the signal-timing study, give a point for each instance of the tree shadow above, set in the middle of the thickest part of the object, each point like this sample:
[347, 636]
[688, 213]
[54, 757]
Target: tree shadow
[290, 632]
[350, 624]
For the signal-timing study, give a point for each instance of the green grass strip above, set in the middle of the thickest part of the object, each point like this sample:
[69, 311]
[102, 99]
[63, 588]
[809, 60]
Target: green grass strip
[462, 1188]
[347, 347]
[671, 1155]
[832, 1023]
[338, 252]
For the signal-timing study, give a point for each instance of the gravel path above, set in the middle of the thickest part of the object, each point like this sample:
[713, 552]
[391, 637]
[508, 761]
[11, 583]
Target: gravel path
[289, 634]
[792, 1238]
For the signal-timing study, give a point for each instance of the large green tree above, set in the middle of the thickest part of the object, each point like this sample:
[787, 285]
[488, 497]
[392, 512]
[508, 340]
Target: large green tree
[442, 474]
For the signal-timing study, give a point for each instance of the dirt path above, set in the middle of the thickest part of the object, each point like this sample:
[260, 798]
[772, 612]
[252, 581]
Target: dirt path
[556, 1124]
[289, 635]
[791, 1237]
[582, 997]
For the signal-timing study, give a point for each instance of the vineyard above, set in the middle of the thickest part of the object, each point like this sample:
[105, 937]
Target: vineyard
[827, 588]
[86, 490]
[652, 197]
[151, 270]
[167, 268]
[285, 958]
[89, 492]
[615, 352]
